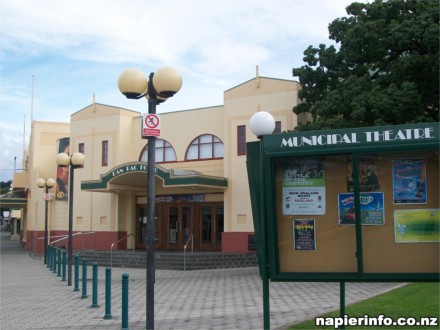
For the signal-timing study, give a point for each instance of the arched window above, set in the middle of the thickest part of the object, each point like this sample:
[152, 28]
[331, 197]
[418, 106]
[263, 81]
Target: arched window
[205, 146]
[164, 152]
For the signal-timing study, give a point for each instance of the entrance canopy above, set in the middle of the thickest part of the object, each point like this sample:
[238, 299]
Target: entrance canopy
[133, 177]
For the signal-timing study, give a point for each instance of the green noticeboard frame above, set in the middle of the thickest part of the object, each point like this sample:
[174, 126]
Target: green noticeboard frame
[325, 222]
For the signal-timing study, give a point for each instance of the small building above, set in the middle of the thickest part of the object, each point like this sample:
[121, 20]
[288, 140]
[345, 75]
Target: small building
[201, 182]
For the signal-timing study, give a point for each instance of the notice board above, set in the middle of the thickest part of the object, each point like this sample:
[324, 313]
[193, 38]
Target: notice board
[354, 204]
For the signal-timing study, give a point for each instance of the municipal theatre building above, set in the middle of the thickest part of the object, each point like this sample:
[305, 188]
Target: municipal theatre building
[201, 184]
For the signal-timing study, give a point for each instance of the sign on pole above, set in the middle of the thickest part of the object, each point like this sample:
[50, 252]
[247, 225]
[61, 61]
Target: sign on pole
[150, 125]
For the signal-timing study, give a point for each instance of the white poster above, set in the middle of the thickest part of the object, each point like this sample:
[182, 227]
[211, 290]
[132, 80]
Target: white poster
[304, 186]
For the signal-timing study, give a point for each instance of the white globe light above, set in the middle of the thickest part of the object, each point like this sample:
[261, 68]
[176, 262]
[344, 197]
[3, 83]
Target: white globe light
[63, 159]
[78, 159]
[132, 83]
[50, 183]
[262, 123]
[167, 81]
[41, 183]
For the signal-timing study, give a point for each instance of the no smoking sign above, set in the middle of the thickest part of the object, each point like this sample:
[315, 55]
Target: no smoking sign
[150, 125]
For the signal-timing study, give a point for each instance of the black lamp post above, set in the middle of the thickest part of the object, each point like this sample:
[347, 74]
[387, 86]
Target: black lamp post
[49, 183]
[161, 85]
[74, 161]
[262, 123]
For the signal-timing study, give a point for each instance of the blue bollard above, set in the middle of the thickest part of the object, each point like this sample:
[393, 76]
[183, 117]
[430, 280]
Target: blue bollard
[64, 266]
[84, 279]
[108, 294]
[59, 263]
[54, 261]
[49, 257]
[125, 301]
[76, 279]
[95, 286]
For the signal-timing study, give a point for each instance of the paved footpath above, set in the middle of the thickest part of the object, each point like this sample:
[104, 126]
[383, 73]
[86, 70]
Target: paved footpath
[32, 297]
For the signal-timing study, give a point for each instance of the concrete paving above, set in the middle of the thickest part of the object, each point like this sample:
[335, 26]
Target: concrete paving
[33, 297]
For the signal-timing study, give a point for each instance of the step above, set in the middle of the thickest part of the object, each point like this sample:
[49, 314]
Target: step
[171, 260]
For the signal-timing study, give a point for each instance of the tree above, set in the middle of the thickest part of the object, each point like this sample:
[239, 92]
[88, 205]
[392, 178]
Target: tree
[386, 70]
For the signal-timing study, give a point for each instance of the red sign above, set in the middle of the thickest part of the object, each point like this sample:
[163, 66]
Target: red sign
[150, 125]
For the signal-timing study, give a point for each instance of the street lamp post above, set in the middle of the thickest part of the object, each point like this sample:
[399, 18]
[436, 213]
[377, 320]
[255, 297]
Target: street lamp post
[263, 123]
[161, 85]
[49, 183]
[74, 161]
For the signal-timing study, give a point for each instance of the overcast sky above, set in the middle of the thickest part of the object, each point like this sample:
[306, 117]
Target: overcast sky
[77, 49]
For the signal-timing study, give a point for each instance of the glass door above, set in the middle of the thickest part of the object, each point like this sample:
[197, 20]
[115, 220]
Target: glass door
[179, 226]
[141, 227]
[212, 226]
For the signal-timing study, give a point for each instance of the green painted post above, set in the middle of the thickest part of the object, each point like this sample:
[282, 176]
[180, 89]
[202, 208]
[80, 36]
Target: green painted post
[64, 267]
[59, 263]
[125, 301]
[54, 261]
[108, 294]
[76, 280]
[49, 257]
[342, 301]
[95, 286]
[84, 279]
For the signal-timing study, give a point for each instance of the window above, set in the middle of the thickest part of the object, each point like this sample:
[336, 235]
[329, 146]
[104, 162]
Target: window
[81, 150]
[277, 127]
[164, 152]
[241, 140]
[104, 155]
[205, 146]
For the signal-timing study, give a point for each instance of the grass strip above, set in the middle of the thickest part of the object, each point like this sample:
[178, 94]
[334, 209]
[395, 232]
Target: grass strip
[415, 300]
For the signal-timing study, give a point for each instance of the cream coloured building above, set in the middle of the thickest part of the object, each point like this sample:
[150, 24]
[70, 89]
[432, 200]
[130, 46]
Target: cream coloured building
[201, 180]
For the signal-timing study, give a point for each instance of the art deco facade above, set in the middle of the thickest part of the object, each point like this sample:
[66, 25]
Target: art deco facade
[201, 182]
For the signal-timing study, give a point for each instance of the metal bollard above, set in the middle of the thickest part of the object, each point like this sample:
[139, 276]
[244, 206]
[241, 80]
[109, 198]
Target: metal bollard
[59, 263]
[49, 257]
[95, 286]
[125, 301]
[64, 266]
[108, 294]
[76, 279]
[84, 279]
[54, 260]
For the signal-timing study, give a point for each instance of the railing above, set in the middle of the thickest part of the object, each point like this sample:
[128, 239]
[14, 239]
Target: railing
[63, 237]
[191, 238]
[113, 244]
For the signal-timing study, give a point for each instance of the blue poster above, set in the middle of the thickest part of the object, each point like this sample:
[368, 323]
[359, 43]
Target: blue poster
[409, 181]
[372, 208]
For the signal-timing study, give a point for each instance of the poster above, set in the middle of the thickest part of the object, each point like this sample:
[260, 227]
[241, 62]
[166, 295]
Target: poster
[368, 180]
[304, 238]
[372, 208]
[409, 181]
[304, 186]
[419, 225]
[62, 186]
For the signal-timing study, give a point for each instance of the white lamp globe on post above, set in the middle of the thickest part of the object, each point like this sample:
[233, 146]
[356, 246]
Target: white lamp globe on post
[159, 86]
[46, 184]
[74, 161]
[262, 123]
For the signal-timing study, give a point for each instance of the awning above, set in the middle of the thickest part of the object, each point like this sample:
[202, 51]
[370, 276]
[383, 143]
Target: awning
[133, 177]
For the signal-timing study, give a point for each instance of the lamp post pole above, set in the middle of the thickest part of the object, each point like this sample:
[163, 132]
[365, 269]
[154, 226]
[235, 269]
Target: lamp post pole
[47, 184]
[160, 86]
[69, 240]
[151, 200]
[72, 162]
[263, 123]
